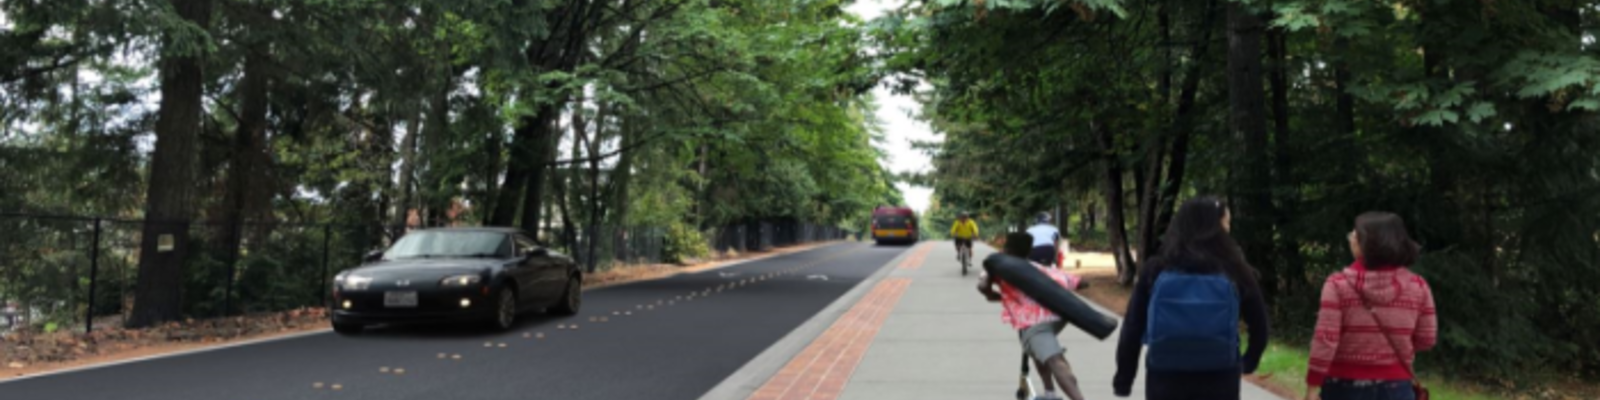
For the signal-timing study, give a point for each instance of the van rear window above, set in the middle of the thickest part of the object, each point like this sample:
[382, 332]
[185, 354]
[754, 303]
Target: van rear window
[891, 222]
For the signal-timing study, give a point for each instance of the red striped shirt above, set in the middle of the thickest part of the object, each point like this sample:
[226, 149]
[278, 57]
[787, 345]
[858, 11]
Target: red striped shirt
[1350, 344]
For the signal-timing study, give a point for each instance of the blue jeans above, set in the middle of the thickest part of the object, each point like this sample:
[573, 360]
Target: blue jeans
[1045, 255]
[1345, 389]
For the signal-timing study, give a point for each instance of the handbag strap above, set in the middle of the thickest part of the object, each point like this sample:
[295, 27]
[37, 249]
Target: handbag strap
[1381, 329]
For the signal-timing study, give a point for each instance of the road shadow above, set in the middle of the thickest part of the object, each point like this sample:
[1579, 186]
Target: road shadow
[460, 330]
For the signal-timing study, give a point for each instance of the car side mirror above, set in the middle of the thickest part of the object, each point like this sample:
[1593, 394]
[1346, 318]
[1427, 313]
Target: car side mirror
[373, 256]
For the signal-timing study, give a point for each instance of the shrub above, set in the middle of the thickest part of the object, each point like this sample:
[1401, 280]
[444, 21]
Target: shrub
[684, 243]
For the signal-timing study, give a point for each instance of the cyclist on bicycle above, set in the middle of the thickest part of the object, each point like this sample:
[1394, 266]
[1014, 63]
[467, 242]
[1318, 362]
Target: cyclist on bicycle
[1045, 239]
[964, 230]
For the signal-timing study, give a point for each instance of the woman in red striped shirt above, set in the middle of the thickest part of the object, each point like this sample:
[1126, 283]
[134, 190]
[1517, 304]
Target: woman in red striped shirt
[1375, 316]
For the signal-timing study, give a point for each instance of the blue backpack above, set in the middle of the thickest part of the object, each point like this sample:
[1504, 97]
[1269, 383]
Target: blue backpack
[1193, 323]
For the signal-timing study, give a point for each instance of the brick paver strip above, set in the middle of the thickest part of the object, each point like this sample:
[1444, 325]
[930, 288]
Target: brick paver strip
[918, 255]
[821, 370]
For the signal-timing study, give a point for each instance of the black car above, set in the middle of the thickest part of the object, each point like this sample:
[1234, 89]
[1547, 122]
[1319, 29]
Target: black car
[456, 274]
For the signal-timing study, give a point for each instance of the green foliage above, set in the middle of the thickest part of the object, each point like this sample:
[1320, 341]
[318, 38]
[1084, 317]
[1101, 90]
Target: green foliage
[684, 243]
[1474, 121]
[661, 114]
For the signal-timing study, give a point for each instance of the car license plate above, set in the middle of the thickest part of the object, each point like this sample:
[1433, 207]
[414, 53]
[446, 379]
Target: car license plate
[399, 299]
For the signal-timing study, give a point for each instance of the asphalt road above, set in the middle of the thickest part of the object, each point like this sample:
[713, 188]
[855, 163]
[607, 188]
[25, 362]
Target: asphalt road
[676, 350]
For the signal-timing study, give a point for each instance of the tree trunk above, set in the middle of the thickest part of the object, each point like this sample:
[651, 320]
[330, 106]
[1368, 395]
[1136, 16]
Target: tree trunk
[384, 147]
[702, 204]
[492, 168]
[543, 154]
[509, 198]
[437, 189]
[249, 140]
[1345, 103]
[1147, 181]
[1164, 20]
[590, 144]
[1115, 222]
[1183, 122]
[562, 50]
[564, 201]
[596, 206]
[170, 200]
[622, 175]
[408, 168]
[1288, 247]
[1090, 217]
[1247, 120]
[524, 171]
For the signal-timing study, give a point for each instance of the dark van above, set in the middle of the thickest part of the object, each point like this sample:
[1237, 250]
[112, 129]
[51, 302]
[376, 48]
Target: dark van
[894, 225]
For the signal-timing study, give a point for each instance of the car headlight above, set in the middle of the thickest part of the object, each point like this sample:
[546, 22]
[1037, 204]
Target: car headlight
[352, 282]
[461, 281]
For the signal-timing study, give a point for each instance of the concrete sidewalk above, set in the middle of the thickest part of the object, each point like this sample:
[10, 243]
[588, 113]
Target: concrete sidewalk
[942, 341]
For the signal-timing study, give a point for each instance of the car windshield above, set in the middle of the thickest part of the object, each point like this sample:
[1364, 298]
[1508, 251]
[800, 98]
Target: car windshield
[450, 244]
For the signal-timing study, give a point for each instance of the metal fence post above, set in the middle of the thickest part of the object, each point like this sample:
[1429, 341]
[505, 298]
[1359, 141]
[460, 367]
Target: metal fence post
[94, 272]
[322, 285]
[227, 292]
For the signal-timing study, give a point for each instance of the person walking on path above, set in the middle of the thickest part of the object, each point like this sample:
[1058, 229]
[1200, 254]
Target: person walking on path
[1045, 239]
[1037, 326]
[1186, 307]
[1376, 315]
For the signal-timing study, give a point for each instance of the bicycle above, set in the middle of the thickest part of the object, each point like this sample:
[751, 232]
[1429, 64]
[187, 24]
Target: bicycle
[965, 254]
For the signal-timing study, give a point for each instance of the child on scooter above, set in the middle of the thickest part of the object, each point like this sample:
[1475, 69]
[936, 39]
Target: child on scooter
[1036, 325]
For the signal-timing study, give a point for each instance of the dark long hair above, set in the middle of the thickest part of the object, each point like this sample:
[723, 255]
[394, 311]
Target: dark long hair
[1384, 242]
[1196, 242]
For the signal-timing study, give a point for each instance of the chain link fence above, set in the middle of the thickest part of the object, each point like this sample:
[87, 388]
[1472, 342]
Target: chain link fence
[80, 273]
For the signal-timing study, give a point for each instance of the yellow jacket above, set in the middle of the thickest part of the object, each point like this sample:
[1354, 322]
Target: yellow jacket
[967, 230]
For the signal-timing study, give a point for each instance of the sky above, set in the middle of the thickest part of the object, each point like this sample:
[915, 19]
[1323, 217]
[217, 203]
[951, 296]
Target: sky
[895, 112]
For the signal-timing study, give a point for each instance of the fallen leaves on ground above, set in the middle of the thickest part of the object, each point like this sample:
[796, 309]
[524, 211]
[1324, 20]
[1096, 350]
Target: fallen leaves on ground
[25, 348]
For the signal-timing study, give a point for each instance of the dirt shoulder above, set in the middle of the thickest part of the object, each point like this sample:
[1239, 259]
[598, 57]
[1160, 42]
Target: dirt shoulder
[26, 354]
[634, 273]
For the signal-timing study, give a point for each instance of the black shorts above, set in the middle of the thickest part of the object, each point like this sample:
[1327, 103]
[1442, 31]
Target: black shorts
[1045, 255]
[964, 242]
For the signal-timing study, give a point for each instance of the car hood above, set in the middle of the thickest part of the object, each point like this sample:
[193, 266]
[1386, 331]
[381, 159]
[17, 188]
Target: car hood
[425, 267]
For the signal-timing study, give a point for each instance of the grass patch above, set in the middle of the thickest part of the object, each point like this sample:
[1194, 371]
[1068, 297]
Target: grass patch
[1284, 367]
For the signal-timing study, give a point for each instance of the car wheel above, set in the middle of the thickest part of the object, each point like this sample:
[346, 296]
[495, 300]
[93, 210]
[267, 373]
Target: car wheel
[505, 309]
[572, 299]
[343, 328]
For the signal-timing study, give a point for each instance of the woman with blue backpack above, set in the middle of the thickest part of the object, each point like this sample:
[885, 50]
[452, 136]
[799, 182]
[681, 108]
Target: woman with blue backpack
[1186, 308]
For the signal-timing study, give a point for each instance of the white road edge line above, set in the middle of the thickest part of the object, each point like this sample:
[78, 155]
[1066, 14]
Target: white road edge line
[749, 378]
[821, 246]
[108, 364]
